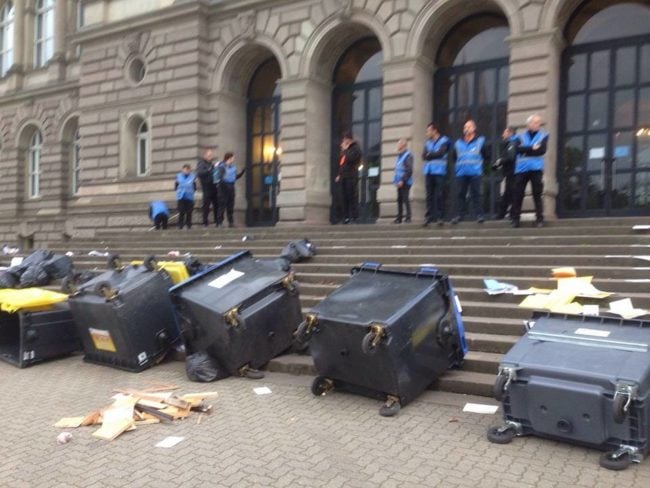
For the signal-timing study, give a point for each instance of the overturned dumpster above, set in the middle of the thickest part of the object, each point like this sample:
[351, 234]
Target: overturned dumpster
[125, 317]
[385, 334]
[584, 380]
[241, 312]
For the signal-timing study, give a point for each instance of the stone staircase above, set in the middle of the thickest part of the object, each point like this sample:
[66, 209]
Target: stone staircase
[469, 252]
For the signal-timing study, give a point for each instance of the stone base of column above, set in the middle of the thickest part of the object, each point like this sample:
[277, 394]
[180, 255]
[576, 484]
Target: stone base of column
[56, 68]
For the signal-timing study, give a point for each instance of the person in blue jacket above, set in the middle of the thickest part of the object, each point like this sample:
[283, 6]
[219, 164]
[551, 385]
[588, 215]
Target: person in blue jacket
[403, 180]
[159, 214]
[531, 147]
[185, 187]
[227, 179]
[469, 153]
[435, 156]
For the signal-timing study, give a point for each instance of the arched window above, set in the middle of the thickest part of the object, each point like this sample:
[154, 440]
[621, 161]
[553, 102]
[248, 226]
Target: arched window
[75, 162]
[43, 32]
[142, 149]
[6, 37]
[34, 164]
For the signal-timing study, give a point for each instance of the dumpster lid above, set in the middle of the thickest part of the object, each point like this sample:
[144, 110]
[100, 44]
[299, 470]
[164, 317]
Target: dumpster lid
[12, 300]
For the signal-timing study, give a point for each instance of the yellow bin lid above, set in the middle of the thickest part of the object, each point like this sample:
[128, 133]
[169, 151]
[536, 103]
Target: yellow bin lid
[12, 300]
[176, 270]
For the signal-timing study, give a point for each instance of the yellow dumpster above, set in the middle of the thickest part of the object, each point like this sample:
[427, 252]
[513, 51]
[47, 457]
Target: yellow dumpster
[31, 299]
[176, 270]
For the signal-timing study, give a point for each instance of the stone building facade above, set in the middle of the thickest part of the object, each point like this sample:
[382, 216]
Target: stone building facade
[102, 101]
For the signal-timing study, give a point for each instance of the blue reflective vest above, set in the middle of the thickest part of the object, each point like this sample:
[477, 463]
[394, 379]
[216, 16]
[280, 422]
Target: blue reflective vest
[435, 166]
[229, 173]
[530, 163]
[469, 160]
[400, 168]
[158, 208]
[185, 189]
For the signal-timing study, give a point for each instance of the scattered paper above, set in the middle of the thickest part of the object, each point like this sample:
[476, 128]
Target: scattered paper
[397, 246]
[625, 309]
[262, 390]
[591, 310]
[641, 227]
[572, 308]
[553, 300]
[494, 287]
[217, 247]
[581, 287]
[480, 408]
[98, 254]
[225, 279]
[533, 291]
[16, 261]
[170, 441]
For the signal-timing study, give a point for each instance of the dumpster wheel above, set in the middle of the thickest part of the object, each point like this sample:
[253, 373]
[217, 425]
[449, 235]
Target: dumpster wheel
[614, 461]
[619, 407]
[391, 407]
[114, 262]
[501, 435]
[499, 388]
[150, 263]
[321, 386]
[251, 373]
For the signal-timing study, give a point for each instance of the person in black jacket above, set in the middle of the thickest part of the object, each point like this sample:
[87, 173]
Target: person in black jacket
[348, 177]
[204, 169]
[506, 162]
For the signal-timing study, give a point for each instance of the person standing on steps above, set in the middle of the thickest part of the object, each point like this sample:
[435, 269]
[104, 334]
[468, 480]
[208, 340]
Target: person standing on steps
[348, 177]
[229, 176]
[531, 148]
[506, 163]
[204, 169]
[403, 180]
[217, 176]
[469, 153]
[185, 187]
[436, 150]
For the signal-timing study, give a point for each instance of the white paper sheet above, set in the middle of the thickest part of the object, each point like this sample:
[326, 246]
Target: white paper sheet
[480, 408]
[262, 390]
[170, 441]
[625, 309]
[596, 153]
[223, 280]
[591, 310]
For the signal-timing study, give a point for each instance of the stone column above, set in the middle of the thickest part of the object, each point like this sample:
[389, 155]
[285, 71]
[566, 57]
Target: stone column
[305, 121]
[57, 63]
[407, 109]
[16, 71]
[535, 70]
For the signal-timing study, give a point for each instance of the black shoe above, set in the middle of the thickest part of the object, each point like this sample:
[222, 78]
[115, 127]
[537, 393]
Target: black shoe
[346, 221]
[480, 220]
[426, 223]
[500, 217]
[397, 221]
[455, 220]
[441, 222]
[515, 224]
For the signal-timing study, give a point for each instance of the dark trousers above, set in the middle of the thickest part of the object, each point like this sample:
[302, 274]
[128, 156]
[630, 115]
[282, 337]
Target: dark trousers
[473, 183]
[350, 190]
[508, 195]
[536, 179]
[403, 201]
[436, 185]
[210, 197]
[226, 202]
[185, 208]
[160, 221]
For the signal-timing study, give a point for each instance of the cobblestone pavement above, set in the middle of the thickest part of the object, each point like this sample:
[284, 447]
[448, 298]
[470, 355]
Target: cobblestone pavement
[287, 438]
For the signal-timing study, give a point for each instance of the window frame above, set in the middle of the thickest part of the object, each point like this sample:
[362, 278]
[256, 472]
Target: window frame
[75, 163]
[43, 44]
[143, 146]
[34, 155]
[7, 26]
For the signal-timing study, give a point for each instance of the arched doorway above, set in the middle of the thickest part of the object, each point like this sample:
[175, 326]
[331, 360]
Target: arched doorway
[471, 82]
[263, 136]
[604, 155]
[357, 108]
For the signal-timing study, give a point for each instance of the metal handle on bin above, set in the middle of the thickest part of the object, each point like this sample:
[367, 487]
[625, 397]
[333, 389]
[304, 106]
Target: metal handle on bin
[233, 318]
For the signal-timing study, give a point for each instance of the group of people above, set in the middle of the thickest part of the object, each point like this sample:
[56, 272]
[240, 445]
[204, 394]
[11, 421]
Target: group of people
[217, 180]
[521, 160]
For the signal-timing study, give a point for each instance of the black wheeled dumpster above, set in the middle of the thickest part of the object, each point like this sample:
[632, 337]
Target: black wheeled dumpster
[584, 380]
[125, 316]
[385, 334]
[35, 325]
[242, 312]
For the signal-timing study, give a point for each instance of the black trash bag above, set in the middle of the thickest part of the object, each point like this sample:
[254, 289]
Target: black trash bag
[203, 368]
[35, 275]
[193, 265]
[282, 264]
[8, 279]
[290, 253]
[38, 256]
[58, 266]
[300, 250]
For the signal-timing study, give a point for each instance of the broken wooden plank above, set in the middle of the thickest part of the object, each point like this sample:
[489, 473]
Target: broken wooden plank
[111, 430]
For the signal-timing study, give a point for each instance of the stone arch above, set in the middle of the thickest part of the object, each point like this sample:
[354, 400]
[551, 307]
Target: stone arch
[66, 126]
[25, 131]
[330, 40]
[239, 61]
[434, 22]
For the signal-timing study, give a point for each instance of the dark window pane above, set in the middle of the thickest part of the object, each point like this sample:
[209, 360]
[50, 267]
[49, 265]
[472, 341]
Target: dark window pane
[645, 63]
[596, 152]
[371, 70]
[643, 151]
[575, 113]
[374, 139]
[578, 72]
[357, 133]
[264, 83]
[484, 122]
[626, 19]
[595, 192]
[361, 62]
[623, 150]
[644, 108]
[489, 44]
[642, 188]
[599, 69]
[597, 111]
[502, 116]
[358, 105]
[624, 108]
[621, 195]
[503, 84]
[374, 103]
[572, 193]
[574, 155]
[626, 66]
[486, 86]
[466, 89]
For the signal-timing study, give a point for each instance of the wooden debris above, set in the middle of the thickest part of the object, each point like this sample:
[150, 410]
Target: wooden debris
[133, 408]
